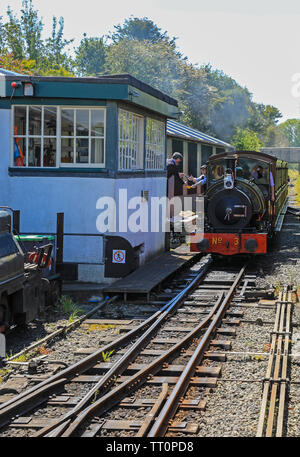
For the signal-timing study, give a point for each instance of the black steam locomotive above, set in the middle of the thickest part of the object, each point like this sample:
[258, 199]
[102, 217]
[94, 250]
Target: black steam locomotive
[245, 203]
[24, 292]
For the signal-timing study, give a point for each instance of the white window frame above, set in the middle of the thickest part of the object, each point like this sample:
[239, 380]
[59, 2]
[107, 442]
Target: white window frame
[90, 137]
[27, 136]
[58, 138]
[157, 148]
[125, 160]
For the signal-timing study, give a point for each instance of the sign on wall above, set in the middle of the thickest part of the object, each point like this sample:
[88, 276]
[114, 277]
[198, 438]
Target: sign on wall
[119, 256]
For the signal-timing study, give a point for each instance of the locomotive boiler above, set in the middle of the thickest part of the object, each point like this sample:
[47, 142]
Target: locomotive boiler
[245, 203]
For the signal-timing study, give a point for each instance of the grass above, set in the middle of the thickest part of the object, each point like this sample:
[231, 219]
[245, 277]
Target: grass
[68, 306]
[107, 355]
[41, 350]
[3, 374]
[295, 180]
[101, 327]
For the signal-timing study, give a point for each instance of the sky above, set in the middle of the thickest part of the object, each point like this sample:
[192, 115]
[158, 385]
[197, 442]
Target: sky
[254, 41]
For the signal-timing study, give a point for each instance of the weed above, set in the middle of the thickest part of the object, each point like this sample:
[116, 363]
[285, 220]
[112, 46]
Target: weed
[100, 327]
[277, 288]
[74, 316]
[3, 374]
[68, 306]
[107, 355]
[95, 396]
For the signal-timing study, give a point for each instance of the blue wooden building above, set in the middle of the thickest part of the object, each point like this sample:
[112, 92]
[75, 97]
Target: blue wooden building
[65, 143]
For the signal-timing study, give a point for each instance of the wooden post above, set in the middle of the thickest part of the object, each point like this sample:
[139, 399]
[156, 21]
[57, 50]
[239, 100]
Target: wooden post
[16, 221]
[60, 238]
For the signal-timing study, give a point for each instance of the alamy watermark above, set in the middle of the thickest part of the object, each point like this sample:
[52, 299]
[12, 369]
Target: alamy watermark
[158, 214]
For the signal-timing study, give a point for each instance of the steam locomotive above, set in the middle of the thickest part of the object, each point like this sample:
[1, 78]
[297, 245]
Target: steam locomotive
[24, 292]
[245, 203]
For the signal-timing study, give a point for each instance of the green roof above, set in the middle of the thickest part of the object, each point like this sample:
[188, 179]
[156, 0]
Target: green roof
[110, 87]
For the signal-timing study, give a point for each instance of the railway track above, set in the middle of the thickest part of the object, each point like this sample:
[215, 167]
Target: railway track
[158, 355]
[271, 419]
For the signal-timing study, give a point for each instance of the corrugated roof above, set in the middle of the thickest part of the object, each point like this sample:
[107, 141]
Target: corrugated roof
[174, 128]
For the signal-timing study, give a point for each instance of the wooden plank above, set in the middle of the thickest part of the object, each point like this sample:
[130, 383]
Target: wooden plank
[196, 381]
[222, 343]
[183, 427]
[198, 405]
[204, 371]
[108, 322]
[148, 276]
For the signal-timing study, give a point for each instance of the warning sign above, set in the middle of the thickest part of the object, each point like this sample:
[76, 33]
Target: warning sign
[119, 256]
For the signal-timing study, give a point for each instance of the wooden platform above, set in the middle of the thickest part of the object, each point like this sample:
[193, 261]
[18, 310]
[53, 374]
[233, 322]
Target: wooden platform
[150, 275]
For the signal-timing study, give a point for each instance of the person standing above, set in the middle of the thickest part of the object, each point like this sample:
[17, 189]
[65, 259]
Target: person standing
[173, 170]
[202, 180]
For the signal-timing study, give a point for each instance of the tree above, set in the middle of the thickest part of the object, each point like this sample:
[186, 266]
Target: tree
[157, 64]
[141, 29]
[290, 129]
[24, 67]
[91, 56]
[14, 41]
[21, 39]
[31, 27]
[273, 137]
[246, 140]
[196, 97]
[262, 117]
[55, 57]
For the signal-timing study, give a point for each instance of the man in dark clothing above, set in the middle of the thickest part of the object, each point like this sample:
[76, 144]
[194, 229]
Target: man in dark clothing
[173, 170]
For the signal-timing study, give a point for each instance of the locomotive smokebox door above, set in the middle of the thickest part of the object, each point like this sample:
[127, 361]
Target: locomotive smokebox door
[120, 257]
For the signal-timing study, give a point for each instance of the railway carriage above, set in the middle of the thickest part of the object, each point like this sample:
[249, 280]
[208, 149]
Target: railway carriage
[245, 203]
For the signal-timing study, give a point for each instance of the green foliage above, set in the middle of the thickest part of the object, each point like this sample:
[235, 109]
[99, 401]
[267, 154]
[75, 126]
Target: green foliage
[21, 40]
[290, 129]
[154, 63]
[90, 56]
[141, 29]
[246, 140]
[107, 355]
[210, 100]
[68, 306]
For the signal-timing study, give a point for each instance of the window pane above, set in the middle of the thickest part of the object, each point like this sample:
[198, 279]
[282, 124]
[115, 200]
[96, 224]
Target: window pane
[97, 151]
[50, 121]
[67, 122]
[82, 151]
[82, 122]
[19, 152]
[34, 152]
[35, 120]
[20, 120]
[97, 122]
[67, 150]
[49, 152]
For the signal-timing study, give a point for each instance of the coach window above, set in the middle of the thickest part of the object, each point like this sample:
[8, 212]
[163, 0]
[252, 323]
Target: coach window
[131, 141]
